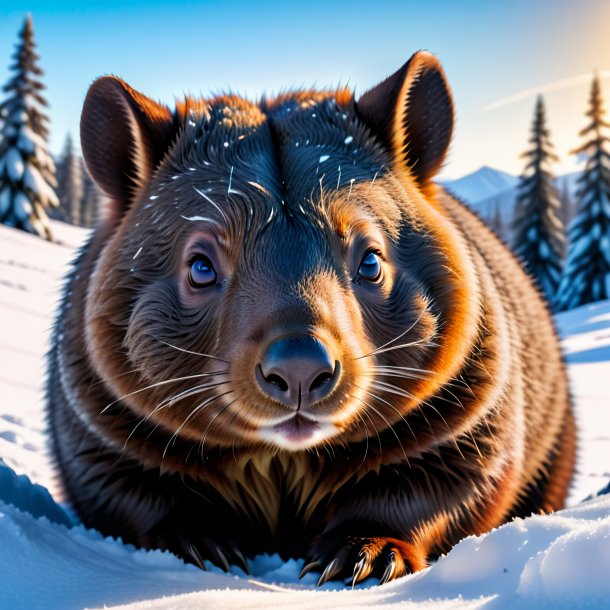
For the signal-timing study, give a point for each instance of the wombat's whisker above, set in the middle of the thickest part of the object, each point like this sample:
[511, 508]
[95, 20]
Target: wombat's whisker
[380, 385]
[390, 427]
[166, 402]
[402, 334]
[205, 434]
[375, 177]
[366, 436]
[388, 367]
[360, 418]
[191, 391]
[430, 406]
[330, 450]
[190, 416]
[365, 414]
[156, 426]
[377, 374]
[150, 387]
[391, 406]
[457, 402]
[169, 402]
[424, 342]
[188, 351]
[391, 388]
[229, 424]
[113, 377]
[406, 373]
[172, 400]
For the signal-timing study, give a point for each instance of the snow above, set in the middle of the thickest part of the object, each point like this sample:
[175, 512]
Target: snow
[553, 561]
[14, 164]
[33, 180]
[5, 200]
[21, 206]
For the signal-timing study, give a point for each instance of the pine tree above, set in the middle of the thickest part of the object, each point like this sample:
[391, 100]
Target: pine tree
[496, 222]
[70, 189]
[92, 201]
[565, 203]
[537, 231]
[586, 276]
[27, 171]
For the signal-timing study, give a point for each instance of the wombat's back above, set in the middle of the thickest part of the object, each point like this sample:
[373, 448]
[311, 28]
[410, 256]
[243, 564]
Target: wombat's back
[532, 363]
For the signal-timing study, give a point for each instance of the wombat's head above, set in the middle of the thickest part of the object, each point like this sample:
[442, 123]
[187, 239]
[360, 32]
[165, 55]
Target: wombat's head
[276, 273]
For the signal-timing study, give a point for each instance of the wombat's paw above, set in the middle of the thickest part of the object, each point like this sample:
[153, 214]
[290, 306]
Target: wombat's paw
[355, 558]
[221, 555]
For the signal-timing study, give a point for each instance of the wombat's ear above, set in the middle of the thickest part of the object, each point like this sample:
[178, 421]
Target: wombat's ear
[124, 135]
[412, 112]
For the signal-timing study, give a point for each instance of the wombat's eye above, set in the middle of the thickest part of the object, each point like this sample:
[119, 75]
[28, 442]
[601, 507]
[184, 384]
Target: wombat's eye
[201, 272]
[370, 267]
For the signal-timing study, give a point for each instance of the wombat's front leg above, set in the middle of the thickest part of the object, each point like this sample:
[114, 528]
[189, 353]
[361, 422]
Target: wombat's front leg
[356, 557]
[406, 528]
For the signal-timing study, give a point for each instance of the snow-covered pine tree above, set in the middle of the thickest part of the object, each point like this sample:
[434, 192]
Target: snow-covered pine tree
[538, 233]
[70, 187]
[586, 275]
[27, 171]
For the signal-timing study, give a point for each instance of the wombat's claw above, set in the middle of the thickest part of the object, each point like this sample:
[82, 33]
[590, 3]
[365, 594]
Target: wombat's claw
[362, 568]
[332, 569]
[309, 567]
[223, 558]
[240, 561]
[197, 558]
[219, 558]
[390, 568]
[386, 558]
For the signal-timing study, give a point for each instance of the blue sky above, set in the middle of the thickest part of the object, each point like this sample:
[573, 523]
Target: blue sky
[490, 50]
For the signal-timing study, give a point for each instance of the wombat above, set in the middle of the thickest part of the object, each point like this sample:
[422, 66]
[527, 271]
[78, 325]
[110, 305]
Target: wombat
[282, 336]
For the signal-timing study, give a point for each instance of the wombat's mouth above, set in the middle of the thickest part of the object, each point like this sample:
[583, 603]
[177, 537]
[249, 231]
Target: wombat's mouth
[298, 432]
[297, 428]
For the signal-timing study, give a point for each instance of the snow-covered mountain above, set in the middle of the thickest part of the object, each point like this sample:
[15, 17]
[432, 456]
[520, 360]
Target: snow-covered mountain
[492, 193]
[483, 183]
[486, 188]
[47, 562]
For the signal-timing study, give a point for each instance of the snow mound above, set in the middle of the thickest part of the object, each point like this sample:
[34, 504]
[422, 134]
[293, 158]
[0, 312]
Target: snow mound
[19, 491]
[555, 561]
[47, 566]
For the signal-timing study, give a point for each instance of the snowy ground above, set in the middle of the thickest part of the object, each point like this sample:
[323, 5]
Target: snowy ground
[555, 561]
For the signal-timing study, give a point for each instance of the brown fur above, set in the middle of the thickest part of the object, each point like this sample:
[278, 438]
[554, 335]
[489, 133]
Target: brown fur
[451, 413]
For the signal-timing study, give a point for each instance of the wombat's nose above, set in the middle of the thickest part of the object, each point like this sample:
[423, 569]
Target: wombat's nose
[297, 370]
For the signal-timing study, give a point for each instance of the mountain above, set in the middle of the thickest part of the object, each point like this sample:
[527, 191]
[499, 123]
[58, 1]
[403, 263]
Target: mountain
[483, 183]
[492, 194]
[480, 188]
